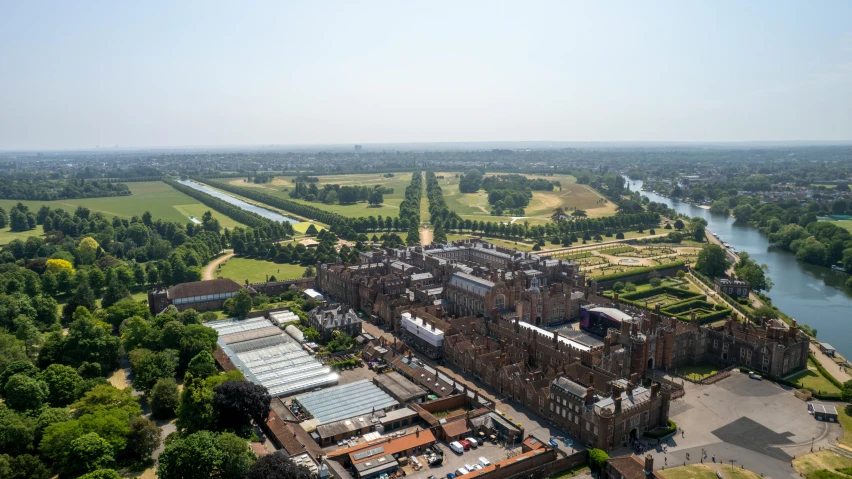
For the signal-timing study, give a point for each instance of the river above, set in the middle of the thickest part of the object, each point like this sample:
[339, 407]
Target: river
[814, 295]
[270, 215]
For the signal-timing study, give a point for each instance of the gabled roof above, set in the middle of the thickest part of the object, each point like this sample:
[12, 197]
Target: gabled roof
[203, 288]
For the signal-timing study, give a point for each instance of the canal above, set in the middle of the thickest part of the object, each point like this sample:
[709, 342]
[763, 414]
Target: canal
[270, 215]
[811, 294]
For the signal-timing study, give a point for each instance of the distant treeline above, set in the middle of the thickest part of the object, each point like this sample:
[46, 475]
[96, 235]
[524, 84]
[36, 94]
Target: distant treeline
[345, 195]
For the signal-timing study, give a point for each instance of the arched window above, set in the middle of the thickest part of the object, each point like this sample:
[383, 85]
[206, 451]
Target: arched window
[500, 302]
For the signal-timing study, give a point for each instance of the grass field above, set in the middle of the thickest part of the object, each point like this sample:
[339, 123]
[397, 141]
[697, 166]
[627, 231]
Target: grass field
[830, 460]
[163, 201]
[697, 373]
[475, 205]
[253, 270]
[814, 381]
[845, 224]
[6, 235]
[281, 185]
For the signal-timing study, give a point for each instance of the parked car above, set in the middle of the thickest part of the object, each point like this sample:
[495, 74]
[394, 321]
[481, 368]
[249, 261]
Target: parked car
[450, 475]
[437, 449]
[472, 442]
[754, 375]
[479, 441]
[484, 462]
[475, 467]
[461, 471]
[465, 444]
[457, 447]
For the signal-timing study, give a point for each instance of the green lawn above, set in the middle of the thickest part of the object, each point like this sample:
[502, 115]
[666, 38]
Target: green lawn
[163, 201]
[304, 225]
[7, 235]
[499, 242]
[475, 206]
[281, 185]
[696, 471]
[574, 471]
[845, 418]
[814, 381]
[697, 373]
[255, 271]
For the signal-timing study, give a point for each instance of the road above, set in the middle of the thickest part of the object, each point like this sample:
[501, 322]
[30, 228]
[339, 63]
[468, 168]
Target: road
[425, 236]
[210, 270]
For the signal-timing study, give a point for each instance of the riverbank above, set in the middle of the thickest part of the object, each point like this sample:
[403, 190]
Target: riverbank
[813, 295]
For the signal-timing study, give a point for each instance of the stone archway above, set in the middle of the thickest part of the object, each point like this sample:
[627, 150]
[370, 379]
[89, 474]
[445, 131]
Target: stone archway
[538, 320]
[650, 364]
[633, 433]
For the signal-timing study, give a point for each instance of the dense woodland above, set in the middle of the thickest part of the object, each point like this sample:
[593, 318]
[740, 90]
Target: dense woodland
[42, 189]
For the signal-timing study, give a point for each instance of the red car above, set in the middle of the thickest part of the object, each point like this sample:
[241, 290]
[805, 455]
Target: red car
[465, 444]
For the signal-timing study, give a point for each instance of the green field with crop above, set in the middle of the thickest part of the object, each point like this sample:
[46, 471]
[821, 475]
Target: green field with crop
[163, 201]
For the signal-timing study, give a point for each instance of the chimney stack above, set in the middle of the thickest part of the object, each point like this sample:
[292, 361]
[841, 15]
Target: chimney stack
[649, 464]
[618, 404]
[590, 396]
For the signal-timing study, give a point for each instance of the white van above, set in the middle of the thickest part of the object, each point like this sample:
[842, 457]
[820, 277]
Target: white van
[484, 462]
[462, 471]
[456, 447]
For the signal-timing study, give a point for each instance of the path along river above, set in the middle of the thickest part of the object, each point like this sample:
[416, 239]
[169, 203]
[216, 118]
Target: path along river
[811, 294]
[270, 215]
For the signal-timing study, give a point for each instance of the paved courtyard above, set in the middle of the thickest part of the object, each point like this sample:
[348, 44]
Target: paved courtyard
[758, 424]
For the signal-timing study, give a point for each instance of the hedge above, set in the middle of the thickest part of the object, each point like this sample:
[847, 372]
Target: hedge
[825, 373]
[638, 271]
[659, 433]
[681, 306]
[677, 292]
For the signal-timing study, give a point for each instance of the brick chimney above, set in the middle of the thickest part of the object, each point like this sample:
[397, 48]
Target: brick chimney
[590, 396]
[615, 298]
[649, 464]
[618, 404]
[555, 340]
[634, 379]
[629, 388]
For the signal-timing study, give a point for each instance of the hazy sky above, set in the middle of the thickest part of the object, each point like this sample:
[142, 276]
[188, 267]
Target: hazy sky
[76, 74]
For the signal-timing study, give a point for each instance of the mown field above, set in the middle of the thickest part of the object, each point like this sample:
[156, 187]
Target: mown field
[280, 186]
[253, 270]
[163, 201]
[475, 205]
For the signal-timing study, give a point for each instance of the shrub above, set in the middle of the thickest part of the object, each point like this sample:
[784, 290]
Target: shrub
[597, 459]
[655, 282]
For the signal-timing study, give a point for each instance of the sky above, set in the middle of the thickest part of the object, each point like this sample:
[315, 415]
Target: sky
[77, 75]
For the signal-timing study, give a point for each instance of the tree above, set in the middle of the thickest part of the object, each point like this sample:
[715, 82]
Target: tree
[202, 366]
[24, 466]
[558, 214]
[144, 437]
[242, 303]
[678, 224]
[24, 393]
[312, 230]
[125, 309]
[87, 250]
[83, 297]
[629, 287]
[101, 474]
[766, 311]
[90, 340]
[90, 452]
[17, 431]
[149, 367]
[846, 394]
[579, 214]
[753, 273]
[376, 198]
[278, 466]
[309, 272]
[743, 212]
[655, 282]
[712, 261]
[105, 396]
[238, 402]
[203, 455]
[115, 292]
[618, 287]
[164, 398]
[62, 383]
[597, 459]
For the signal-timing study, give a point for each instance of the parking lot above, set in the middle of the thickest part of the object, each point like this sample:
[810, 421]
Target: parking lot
[453, 461]
[758, 424]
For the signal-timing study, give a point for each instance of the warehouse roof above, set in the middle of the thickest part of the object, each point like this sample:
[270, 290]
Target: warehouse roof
[400, 388]
[345, 401]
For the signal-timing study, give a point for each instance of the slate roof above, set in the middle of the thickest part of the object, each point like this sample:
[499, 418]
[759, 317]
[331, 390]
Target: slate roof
[203, 288]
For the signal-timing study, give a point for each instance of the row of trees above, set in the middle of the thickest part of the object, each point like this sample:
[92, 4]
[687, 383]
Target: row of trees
[438, 210]
[409, 209]
[43, 189]
[331, 194]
